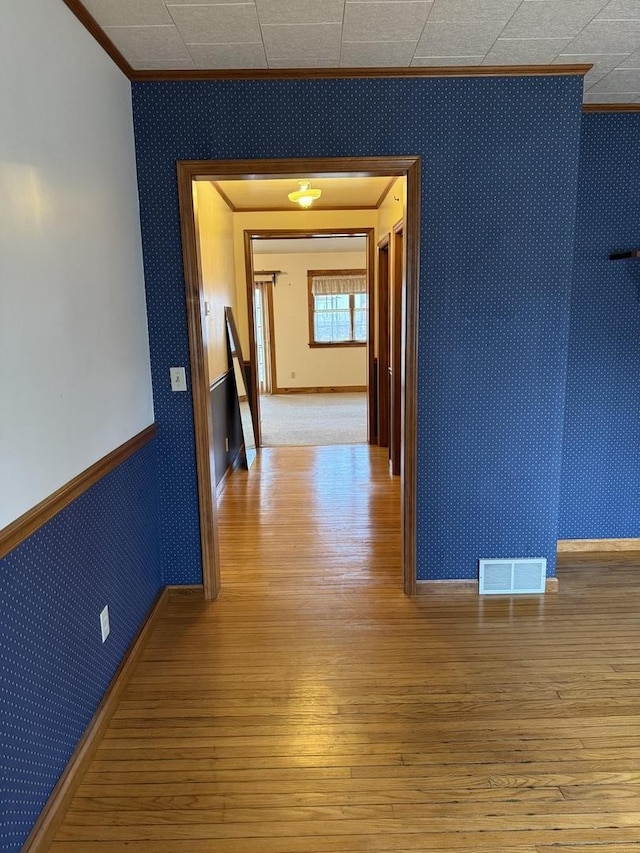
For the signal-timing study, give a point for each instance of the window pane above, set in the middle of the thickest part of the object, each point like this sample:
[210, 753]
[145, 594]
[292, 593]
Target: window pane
[332, 326]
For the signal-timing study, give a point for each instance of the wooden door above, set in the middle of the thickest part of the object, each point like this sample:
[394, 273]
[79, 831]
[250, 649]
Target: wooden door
[384, 414]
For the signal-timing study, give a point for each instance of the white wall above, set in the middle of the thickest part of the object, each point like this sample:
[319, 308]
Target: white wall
[314, 367]
[73, 336]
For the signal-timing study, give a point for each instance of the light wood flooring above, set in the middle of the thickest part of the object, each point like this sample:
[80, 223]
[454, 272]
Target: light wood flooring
[315, 709]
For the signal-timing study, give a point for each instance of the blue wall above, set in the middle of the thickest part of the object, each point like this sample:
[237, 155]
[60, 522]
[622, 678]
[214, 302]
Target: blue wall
[54, 670]
[499, 179]
[601, 460]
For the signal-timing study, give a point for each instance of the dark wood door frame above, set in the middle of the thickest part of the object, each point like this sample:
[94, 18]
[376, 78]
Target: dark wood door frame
[383, 340]
[187, 173]
[397, 293]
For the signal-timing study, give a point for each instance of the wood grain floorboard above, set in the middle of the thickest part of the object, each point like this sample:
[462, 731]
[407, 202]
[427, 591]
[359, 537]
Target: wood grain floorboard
[313, 708]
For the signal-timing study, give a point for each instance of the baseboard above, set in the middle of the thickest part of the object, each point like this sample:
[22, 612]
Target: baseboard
[45, 828]
[568, 545]
[185, 590]
[325, 389]
[223, 481]
[468, 587]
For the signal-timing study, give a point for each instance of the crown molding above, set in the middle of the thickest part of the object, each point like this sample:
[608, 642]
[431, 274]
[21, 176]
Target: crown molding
[611, 108]
[90, 23]
[143, 76]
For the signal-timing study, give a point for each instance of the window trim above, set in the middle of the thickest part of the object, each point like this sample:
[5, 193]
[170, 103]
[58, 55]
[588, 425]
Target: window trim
[311, 274]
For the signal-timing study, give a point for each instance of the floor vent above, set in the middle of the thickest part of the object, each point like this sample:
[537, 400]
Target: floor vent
[512, 577]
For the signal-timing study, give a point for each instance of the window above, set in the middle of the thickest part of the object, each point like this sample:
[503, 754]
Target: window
[337, 308]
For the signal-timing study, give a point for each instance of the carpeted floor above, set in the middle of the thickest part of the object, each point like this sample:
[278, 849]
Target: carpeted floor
[314, 419]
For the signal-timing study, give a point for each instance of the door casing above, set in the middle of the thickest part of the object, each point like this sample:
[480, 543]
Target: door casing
[190, 170]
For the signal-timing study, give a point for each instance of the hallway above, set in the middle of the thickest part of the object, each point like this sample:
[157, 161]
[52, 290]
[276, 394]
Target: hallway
[315, 709]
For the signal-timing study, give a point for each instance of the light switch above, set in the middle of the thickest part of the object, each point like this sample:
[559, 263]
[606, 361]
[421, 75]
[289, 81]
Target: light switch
[178, 379]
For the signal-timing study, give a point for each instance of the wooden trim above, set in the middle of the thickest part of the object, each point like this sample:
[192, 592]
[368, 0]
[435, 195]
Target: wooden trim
[253, 350]
[384, 277]
[396, 438]
[220, 379]
[176, 590]
[297, 209]
[225, 198]
[578, 545]
[323, 389]
[26, 525]
[335, 344]
[372, 425]
[90, 24]
[468, 587]
[45, 828]
[312, 167]
[272, 337]
[409, 166]
[611, 108]
[151, 76]
[203, 428]
[409, 395]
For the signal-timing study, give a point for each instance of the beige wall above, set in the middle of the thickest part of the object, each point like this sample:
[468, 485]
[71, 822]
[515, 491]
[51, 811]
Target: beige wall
[214, 221]
[297, 364]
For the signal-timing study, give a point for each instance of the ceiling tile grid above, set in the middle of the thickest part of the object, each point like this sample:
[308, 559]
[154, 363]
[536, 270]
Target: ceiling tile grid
[232, 34]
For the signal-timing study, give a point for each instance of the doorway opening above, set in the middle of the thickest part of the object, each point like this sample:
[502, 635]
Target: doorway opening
[309, 294]
[198, 311]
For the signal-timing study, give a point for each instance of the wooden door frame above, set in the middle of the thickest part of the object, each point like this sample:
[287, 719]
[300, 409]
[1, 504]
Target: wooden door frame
[302, 234]
[189, 171]
[384, 245]
[396, 291]
[267, 314]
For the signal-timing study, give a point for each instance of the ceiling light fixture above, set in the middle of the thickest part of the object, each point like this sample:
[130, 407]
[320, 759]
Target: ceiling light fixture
[305, 196]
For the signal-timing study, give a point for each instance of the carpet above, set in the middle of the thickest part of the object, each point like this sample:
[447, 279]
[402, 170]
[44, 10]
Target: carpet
[313, 419]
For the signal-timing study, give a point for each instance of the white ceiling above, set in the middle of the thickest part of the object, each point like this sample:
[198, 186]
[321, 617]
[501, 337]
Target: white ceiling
[232, 34]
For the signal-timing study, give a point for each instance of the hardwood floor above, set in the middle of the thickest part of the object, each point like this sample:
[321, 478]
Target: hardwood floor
[315, 709]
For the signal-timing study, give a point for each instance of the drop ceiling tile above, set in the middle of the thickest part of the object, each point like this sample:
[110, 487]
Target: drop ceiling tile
[473, 10]
[298, 43]
[300, 12]
[632, 61]
[303, 63]
[610, 98]
[436, 61]
[385, 21]
[376, 54]
[552, 18]
[463, 39]
[607, 37]
[602, 64]
[124, 13]
[217, 24]
[138, 44]
[165, 65]
[620, 10]
[618, 81]
[228, 55]
[508, 51]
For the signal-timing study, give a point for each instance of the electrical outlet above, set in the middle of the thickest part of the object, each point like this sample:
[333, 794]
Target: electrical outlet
[226, 444]
[104, 622]
[293, 374]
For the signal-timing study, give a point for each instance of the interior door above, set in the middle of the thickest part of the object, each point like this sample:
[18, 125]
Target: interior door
[383, 343]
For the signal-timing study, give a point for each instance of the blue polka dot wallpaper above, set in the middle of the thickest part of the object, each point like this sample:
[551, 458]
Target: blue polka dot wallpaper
[499, 181]
[601, 458]
[54, 669]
